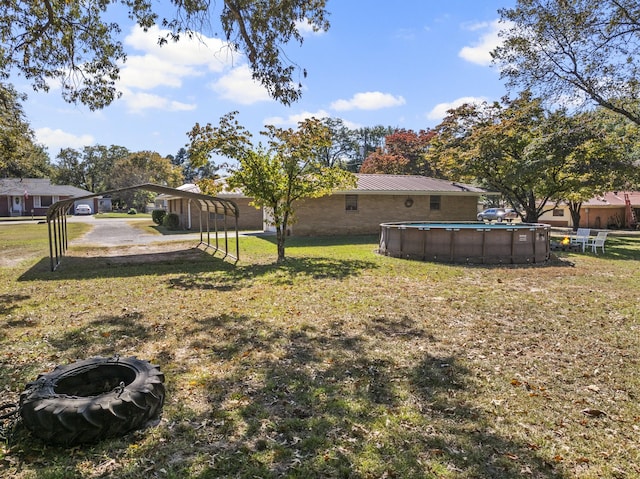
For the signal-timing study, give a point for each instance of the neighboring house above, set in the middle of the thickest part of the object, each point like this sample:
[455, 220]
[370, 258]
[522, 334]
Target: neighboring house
[610, 210]
[250, 218]
[33, 196]
[386, 198]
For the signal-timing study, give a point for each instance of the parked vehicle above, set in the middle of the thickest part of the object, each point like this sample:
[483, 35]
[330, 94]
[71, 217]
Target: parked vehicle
[83, 209]
[497, 214]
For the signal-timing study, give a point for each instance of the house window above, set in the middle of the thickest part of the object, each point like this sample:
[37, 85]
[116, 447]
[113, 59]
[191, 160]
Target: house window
[434, 202]
[44, 201]
[558, 212]
[351, 202]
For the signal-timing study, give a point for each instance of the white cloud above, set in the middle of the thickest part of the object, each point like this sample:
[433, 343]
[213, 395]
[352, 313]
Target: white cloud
[238, 86]
[372, 100]
[57, 139]
[440, 110]
[138, 101]
[168, 66]
[294, 119]
[480, 52]
[307, 28]
[149, 71]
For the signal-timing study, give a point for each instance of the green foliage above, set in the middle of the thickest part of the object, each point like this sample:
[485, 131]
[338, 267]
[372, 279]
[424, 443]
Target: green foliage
[171, 221]
[574, 49]
[90, 168]
[140, 168]
[132, 211]
[76, 43]
[158, 216]
[518, 149]
[20, 155]
[288, 170]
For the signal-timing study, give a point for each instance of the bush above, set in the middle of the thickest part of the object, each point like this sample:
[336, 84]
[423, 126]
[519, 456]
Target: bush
[171, 221]
[132, 211]
[158, 216]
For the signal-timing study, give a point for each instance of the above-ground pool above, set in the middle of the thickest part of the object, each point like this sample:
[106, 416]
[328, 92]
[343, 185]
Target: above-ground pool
[472, 242]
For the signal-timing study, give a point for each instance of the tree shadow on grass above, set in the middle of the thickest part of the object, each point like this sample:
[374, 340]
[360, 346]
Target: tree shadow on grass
[287, 272]
[191, 267]
[191, 260]
[352, 400]
[9, 302]
[104, 336]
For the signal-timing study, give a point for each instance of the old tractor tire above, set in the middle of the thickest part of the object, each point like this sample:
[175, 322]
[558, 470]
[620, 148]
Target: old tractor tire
[92, 399]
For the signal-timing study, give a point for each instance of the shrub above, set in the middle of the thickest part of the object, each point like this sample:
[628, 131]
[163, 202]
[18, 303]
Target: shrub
[158, 216]
[171, 221]
[132, 211]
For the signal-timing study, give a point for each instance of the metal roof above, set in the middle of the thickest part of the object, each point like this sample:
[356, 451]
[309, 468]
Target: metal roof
[414, 184]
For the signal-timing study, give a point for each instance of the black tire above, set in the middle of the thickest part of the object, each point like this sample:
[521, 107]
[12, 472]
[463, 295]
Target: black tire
[92, 399]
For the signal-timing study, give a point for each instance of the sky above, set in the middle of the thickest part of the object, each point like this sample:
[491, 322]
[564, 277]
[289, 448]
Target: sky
[401, 64]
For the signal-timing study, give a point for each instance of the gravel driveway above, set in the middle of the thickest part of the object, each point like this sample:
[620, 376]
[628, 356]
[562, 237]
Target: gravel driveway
[119, 232]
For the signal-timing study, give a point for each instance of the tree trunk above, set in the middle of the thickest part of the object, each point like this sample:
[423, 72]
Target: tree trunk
[281, 233]
[574, 210]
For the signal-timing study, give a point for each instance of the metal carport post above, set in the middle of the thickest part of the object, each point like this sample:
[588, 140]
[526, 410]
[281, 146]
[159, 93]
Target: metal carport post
[57, 221]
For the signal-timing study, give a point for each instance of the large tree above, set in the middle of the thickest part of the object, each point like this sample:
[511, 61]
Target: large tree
[20, 155]
[277, 175]
[575, 50]
[76, 42]
[403, 153]
[343, 147]
[91, 168]
[516, 148]
[139, 168]
[607, 161]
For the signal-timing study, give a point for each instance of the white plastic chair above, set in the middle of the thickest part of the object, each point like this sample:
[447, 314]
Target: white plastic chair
[598, 241]
[581, 237]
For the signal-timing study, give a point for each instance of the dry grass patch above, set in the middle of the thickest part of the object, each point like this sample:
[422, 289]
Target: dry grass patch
[342, 363]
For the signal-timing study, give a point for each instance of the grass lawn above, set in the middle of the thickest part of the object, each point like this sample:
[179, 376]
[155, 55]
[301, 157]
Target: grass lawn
[340, 363]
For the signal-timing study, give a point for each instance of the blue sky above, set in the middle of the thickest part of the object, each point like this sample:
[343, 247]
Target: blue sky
[400, 64]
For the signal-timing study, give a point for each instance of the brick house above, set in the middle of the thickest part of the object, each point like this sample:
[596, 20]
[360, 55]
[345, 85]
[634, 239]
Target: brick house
[386, 198]
[376, 199]
[33, 196]
[606, 211]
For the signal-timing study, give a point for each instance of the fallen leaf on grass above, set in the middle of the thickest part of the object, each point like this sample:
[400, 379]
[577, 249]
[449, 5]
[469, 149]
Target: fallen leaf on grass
[594, 412]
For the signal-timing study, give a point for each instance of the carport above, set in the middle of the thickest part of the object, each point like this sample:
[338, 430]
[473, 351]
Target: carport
[209, 207]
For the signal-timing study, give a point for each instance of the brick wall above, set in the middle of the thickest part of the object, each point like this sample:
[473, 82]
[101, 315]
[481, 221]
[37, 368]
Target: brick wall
[328, 216]
[250, 217]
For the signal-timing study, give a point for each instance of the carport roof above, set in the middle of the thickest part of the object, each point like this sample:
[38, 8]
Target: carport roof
[228, 206]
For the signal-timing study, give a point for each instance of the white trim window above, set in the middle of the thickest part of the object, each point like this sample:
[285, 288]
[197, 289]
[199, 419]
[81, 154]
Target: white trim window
[44, 201]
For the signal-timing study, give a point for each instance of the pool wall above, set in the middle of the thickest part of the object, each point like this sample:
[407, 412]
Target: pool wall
[472, 242]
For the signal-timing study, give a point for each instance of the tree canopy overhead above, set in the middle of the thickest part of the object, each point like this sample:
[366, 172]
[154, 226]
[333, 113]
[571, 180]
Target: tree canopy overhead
[20, 155]
[575, 50]
[75, 43]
